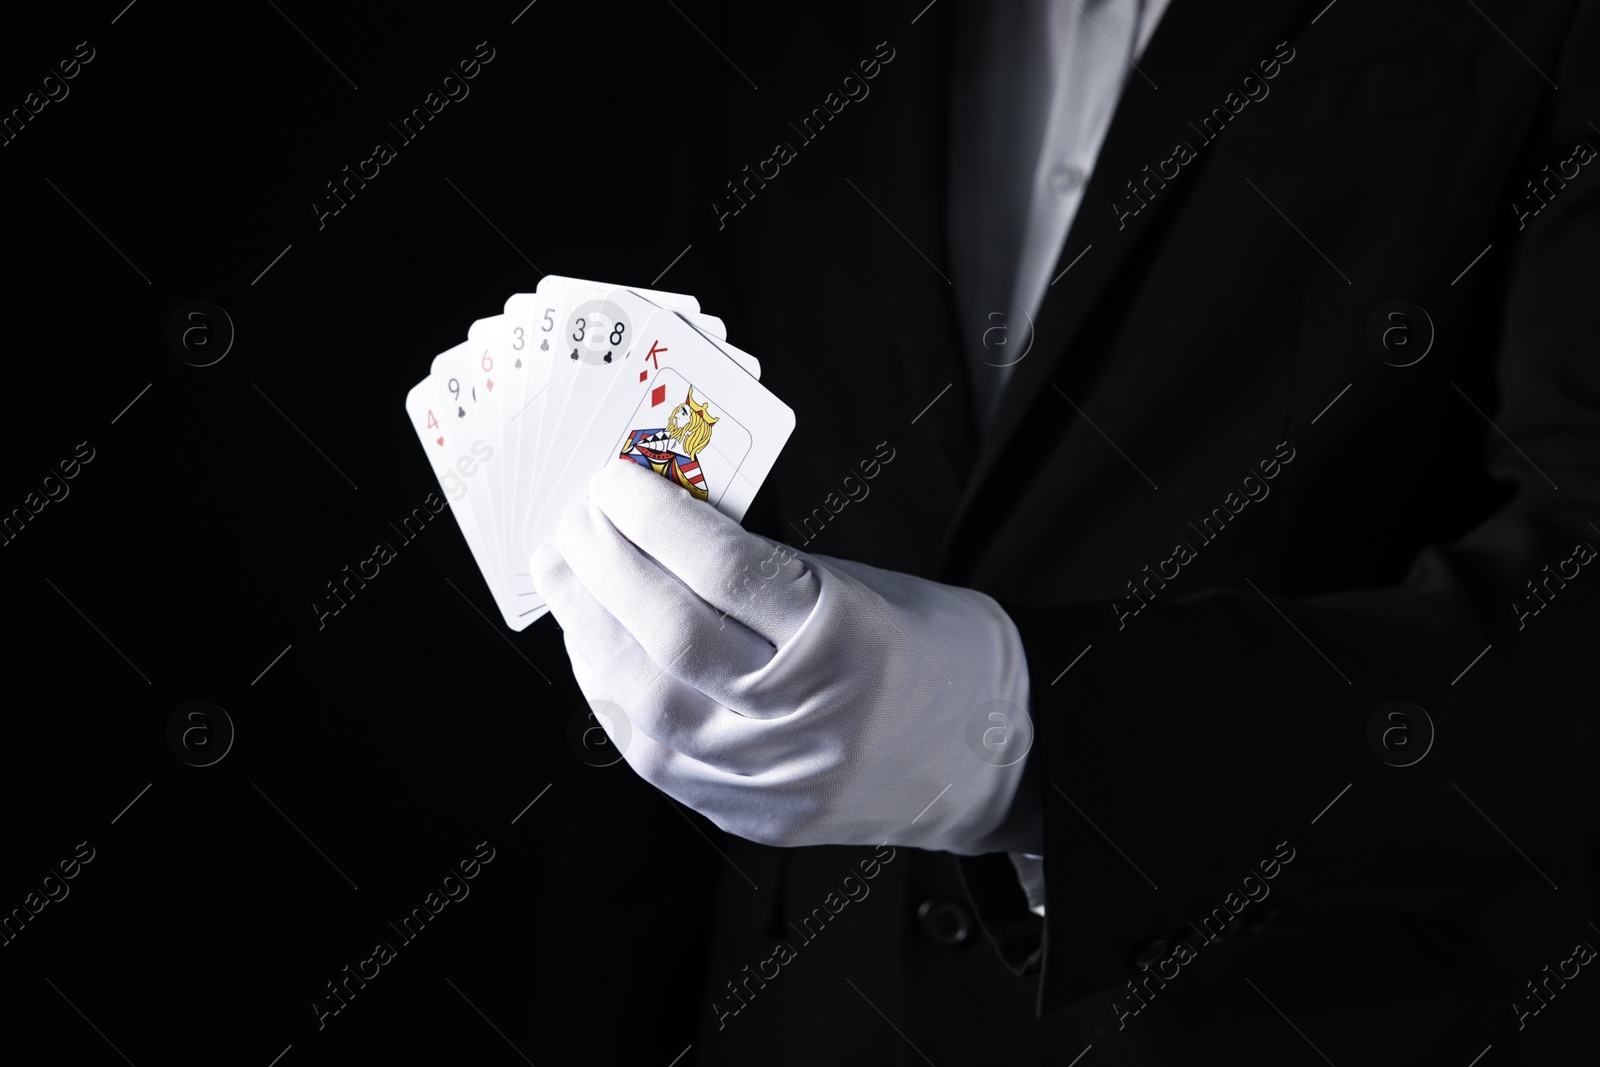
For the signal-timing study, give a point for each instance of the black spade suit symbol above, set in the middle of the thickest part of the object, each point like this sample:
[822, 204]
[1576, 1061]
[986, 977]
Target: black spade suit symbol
[574, 353]
[461, 413]
[519, 364]
[606, 358]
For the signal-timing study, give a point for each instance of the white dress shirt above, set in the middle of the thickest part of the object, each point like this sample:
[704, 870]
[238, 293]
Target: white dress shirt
[1035, 83]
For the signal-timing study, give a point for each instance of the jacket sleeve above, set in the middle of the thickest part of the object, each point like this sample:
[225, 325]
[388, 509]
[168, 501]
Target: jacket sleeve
[1237, 737]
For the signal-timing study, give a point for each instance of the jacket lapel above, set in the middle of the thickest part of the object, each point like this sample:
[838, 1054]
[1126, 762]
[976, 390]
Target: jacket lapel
[1180, 84]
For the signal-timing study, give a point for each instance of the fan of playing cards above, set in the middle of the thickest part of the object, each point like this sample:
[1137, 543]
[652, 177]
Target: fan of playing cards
[516, 418]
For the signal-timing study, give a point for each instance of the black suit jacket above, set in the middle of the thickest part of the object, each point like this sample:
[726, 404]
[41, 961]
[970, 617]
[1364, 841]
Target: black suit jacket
[1230, 528]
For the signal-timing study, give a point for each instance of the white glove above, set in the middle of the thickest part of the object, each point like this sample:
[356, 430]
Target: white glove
[791, 699]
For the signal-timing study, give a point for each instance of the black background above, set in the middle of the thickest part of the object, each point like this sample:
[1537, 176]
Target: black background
[410, 726]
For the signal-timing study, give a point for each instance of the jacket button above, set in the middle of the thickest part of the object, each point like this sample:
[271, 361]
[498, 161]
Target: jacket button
[944, 921]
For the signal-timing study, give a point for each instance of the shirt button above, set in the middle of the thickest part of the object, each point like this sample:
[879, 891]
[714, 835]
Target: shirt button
[1066, 179]
[1151, 953]
[1264, 920]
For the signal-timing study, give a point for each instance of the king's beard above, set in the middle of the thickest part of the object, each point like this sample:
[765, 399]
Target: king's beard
[676, 429]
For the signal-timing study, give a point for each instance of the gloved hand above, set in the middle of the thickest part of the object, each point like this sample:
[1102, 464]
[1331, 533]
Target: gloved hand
[792, 699]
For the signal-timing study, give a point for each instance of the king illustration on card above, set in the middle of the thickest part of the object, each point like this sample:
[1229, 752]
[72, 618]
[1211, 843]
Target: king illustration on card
[673, 451]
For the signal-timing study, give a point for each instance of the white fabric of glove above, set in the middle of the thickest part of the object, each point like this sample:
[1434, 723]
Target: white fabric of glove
[792, 699]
